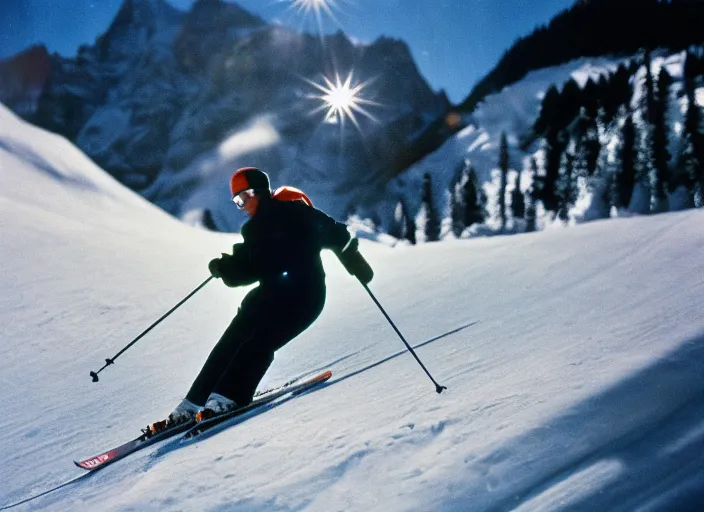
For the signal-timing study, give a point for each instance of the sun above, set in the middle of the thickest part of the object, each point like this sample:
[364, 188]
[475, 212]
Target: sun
[318, 8]
[315, 6]
[342, 99]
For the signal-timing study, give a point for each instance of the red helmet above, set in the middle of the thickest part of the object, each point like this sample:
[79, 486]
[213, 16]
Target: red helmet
[287, 193]
[248, 178]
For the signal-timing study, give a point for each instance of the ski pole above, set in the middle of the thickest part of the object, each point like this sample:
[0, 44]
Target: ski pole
[438, 387]
[110, 361]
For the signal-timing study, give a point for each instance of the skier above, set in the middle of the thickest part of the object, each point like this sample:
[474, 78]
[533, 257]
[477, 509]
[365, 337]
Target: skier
[281, 250]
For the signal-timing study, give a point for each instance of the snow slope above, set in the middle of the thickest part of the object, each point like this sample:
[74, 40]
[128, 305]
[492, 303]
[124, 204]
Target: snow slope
[579, 388]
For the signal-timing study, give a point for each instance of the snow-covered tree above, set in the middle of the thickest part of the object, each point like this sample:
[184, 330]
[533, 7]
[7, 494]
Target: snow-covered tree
[648, 103]
[587, 145]
[686, 173]
[403, 226]
[596, 179]
[457, 200]
[645, 167]
[531, 209]
[466, 207]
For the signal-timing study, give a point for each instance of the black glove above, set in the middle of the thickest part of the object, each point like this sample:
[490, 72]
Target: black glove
[234, 269]
[214, 267]
[355, 263]
[217, 266]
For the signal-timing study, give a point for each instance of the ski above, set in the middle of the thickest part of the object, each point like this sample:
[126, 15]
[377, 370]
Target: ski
[295, 386]
[122, 451]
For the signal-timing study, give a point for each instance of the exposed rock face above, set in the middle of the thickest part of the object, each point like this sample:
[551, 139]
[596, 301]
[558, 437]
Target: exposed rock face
[22, 79]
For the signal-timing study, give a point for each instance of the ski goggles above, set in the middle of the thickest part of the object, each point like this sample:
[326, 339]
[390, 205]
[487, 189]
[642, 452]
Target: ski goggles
[241, 198]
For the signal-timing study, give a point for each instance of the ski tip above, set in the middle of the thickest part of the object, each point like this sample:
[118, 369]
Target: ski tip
[79, 464]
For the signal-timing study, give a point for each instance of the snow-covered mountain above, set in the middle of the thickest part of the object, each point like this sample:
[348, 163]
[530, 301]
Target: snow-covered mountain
[171, 102]
[576, 383]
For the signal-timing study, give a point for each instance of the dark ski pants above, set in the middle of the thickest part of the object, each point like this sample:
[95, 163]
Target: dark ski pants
[269, 317]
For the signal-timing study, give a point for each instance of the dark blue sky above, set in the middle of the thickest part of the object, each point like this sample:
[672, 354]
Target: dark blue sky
[454, 42]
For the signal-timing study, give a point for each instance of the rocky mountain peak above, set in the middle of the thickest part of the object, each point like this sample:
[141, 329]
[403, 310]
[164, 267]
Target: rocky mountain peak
[219, 13]
[22, 78]
[209, 28]
[134, 25]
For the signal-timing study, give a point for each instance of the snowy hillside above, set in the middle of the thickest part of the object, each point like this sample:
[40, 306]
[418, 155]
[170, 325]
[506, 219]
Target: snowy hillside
[515, 112]
[578, 385]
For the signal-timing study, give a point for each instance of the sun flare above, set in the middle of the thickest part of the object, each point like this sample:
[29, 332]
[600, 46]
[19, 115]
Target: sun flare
[342, 99]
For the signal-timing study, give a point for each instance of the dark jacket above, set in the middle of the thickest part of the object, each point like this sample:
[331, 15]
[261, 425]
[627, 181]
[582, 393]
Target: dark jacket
[282, 243]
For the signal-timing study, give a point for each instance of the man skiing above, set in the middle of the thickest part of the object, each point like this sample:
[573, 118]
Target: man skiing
[281, 250]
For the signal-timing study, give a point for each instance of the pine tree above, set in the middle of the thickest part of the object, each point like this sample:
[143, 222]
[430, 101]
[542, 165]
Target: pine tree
[465, 206]
[688, 172]
[554, 147]
[591, 147]
[693, 149]
[661, 156]
[518, 201]
[622, 89]
[432, 220]
[456, 209]
[580, 164]
[645, 163]
[410, 225]
[566, 189]
[590, 97]
[599, 182]
[649, 105]
[626, 177]
[473, 205]
[645, 166]
[585, 152]
[549, 110]
[209, 220]
[608, 100]
[571, 99]
[531, 212]
[503, 175]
